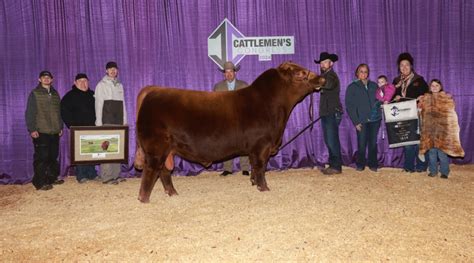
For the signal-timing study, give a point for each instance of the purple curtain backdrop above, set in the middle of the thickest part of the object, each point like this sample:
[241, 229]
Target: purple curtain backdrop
[165, 43]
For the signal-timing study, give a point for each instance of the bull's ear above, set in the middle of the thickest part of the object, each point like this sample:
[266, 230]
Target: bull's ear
[286, 66]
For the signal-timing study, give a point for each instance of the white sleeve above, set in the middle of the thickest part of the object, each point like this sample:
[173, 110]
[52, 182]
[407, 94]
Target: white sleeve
[124, 110]
[99, 104]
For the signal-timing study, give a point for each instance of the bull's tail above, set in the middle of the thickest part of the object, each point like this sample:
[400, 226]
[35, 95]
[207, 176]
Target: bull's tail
[141, 96]
[139, 161]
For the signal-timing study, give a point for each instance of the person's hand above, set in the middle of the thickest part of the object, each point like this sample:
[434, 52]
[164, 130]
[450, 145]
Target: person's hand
[34, 134]
[386, 102]
[60, 133]
[397, 98]
[399, 84]
[359, 127]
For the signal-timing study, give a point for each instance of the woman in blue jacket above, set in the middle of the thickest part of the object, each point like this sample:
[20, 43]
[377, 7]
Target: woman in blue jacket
[365, 114]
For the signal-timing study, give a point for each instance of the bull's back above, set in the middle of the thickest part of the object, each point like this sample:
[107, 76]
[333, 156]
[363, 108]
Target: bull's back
[201, 121]
[187, 109]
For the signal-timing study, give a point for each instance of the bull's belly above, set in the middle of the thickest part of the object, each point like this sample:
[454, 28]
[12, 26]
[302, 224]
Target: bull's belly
[207, 156]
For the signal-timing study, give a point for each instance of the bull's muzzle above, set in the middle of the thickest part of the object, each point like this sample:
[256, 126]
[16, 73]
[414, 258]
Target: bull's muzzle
[317, 81]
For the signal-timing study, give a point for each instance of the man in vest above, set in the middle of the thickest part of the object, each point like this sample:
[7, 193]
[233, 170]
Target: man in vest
[43, 120]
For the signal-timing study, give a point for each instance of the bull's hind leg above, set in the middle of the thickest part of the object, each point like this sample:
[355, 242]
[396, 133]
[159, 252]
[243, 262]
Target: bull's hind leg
[165, 177]
[139, 161]
[259, 162]
[151, 172]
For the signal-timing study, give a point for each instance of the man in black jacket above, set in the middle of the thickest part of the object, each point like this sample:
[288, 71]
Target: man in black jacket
[330, 111]
[78, 109]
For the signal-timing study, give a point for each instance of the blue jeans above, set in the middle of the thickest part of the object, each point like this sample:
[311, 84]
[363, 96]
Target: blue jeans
[411, 153]
[85, 171]
[435, 154]
[367, 138]
[330, 126]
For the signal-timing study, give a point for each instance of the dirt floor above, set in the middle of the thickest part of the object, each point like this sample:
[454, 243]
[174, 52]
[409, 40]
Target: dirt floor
[355, 216]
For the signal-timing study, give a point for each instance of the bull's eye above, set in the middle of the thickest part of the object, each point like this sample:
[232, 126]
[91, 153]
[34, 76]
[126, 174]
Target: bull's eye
[306, 75]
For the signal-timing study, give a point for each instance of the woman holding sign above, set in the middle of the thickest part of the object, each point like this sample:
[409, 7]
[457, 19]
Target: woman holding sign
[410, 85]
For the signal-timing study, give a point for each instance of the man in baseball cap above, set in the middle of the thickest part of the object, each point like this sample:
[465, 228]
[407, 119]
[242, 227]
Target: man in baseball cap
[43, 121]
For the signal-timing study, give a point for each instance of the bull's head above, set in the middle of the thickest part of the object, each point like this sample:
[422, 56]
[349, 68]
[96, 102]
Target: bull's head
[298, 75]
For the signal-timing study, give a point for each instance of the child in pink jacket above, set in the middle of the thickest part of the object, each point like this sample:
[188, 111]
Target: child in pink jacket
[385, 91]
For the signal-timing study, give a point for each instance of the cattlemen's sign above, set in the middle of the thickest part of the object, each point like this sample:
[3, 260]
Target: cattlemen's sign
[264, 47]
[264, 42]
[227, 43]
[401, 120]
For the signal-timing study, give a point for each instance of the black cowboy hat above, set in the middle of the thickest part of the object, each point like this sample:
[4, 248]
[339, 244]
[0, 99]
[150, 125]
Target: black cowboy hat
[326, 55]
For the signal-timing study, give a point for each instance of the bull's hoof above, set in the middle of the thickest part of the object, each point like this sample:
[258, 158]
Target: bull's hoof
[171, 192]
[263, 188]
[144, 200]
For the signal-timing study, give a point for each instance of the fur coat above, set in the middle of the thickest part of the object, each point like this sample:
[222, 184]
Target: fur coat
[439, 124]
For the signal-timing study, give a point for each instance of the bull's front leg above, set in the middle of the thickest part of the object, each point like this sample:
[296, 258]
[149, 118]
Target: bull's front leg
[259, 165]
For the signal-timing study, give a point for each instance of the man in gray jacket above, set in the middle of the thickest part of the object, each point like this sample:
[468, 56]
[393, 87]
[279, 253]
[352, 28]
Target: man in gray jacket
[330, 111]
[231, 83]
[110, 110]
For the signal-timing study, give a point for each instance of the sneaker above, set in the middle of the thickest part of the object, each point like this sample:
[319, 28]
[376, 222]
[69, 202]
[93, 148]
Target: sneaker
[331, 171]
[444, 176]
[98, 179]
[111, 181]
[360, 169]
[120, 179]
[373, 169]
[59, 181]
[431, 174]
[225, 173]
[408, 170]
[45, 187]
[246, 173]
[83, 180]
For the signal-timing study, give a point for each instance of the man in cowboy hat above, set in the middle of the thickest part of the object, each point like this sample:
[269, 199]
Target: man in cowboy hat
[231, 83]
[330, 111]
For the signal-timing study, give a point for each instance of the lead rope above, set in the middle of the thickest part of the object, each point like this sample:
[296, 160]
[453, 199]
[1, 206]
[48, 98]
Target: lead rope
[310, 125]
[311, 113]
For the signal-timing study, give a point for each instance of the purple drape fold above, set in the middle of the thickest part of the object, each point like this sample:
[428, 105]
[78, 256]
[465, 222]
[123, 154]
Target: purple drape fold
[165, 43]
